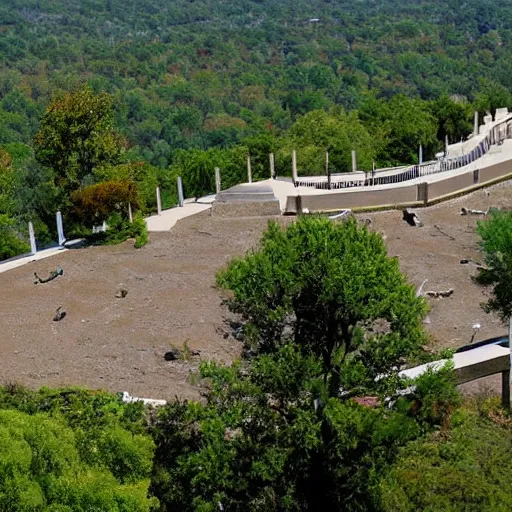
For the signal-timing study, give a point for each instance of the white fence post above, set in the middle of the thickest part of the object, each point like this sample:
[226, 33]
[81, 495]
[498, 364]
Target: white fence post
[130, 214]
[327, 170]
[354, 161]
[33, 246]
[249, 170]
[218, 186]
[294, 165]
[272, 166]
[181, 199]
[158, 201]
[420, 156]
[60, 229]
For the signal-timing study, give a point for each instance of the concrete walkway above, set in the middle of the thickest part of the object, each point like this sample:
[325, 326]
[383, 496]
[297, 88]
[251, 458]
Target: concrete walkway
[168, 218]
[469, 365]
[162, 222]
[23, 260]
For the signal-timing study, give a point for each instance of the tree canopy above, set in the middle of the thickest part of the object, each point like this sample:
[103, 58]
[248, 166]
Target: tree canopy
[57, 456]
[331, 289]
[87, 87]
[76, 136]
[496, 243]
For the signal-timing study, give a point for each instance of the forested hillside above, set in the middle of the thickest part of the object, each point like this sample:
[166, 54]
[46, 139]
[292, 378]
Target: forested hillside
[200, 74]
[195, 84]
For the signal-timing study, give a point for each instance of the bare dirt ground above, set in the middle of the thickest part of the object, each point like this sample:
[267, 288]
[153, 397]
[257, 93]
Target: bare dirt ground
[119, 344]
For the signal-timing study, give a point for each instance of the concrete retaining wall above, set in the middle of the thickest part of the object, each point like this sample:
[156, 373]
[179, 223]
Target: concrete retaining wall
[355, 200]
[246, 208]
[495, 171]
[449, 186]
[421, 194]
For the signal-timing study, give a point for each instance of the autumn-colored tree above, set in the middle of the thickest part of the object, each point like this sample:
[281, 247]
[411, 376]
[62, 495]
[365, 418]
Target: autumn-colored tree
[96, 203]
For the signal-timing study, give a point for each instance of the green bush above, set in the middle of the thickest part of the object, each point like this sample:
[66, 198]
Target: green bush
[93, 204]
[121, 229]
[496, 243]
[139, 231]
[10, 244]
[466, 470]
[41, 468]
[144, 176]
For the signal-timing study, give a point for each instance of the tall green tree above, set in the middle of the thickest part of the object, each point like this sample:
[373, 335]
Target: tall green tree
[335, 131]
[76, 136]
[399, 127]
[332, 290]
[496, 243]
[303, 426]
[454, 118]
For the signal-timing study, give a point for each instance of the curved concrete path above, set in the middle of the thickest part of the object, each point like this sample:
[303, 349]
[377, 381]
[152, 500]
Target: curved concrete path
[168, 218]
[23, 260]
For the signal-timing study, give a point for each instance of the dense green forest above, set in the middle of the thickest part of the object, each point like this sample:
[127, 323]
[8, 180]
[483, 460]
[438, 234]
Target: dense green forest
[196, 84]
[197, 74]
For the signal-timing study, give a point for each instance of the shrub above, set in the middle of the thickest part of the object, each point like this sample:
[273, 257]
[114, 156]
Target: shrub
[468, 470]
[96, 203]
[144, 176]
[42, 467]
[496, 242]
[120, 229]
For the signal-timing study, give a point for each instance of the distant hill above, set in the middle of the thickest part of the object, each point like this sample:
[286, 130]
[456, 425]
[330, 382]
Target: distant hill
[195, 73]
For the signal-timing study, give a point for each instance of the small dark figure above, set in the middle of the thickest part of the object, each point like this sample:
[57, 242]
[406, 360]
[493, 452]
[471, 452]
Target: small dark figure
[411, 218]
[172, 355]
[59, 315]
[59, 271]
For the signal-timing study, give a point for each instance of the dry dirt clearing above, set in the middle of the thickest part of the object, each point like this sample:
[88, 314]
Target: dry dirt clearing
[119, 344]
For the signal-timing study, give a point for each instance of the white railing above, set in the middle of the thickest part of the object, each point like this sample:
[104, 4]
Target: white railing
[495, 136]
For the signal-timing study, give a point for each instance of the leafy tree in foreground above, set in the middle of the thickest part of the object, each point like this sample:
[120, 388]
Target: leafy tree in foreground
[59, 462]
[303, 425]
[269, 438]
[331, 289]
[496, 242]
[76, 135]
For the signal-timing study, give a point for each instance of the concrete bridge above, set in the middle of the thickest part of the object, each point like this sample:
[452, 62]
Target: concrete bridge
[483, 159]
[473, 362]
